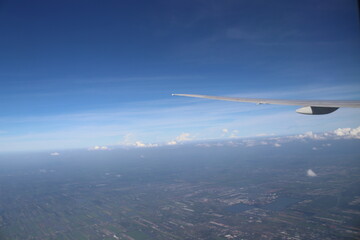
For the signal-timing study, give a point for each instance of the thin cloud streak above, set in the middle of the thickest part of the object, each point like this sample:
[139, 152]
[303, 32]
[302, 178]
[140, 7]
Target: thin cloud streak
[179, 104]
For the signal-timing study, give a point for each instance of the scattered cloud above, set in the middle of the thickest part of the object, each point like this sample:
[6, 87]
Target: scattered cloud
[129, 140]
[311, 173]
[99, 148]
[348, 132]
[340, 133]
[264, 134]
[183, 137]
[234, 134]
[171, 143]
[179, 139]
[230, 133]
[310, 135]
[140, 144]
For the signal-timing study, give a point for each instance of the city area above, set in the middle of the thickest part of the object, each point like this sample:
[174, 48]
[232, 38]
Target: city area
[185, 192]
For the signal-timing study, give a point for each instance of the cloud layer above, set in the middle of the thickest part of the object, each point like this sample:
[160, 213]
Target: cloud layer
[277, 142]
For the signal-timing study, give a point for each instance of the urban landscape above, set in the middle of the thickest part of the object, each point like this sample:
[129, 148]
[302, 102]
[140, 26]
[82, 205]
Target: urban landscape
[254, 197]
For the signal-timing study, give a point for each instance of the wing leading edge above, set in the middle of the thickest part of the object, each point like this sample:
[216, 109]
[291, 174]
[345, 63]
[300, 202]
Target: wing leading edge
[311, 107]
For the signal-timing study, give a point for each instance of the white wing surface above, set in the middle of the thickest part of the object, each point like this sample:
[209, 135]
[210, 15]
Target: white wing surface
[311, 107]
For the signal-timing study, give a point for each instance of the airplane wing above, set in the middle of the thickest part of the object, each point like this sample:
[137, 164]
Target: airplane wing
[310, 107]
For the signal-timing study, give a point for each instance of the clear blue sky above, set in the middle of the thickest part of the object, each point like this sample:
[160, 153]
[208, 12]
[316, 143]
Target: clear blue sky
[83, 73]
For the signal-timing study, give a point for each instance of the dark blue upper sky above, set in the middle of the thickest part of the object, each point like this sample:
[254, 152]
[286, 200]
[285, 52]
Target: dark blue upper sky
[70, 58]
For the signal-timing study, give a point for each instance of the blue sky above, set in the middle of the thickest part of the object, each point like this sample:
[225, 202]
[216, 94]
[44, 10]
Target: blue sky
[75, 74]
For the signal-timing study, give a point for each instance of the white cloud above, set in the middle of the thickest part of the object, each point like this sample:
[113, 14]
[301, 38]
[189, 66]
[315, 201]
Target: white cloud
[264, 134]
[171, 143]
[348, 132]
[183, 137]
[224, 143]
[54, 154]
[340, 133]
[140, 144]
[129, 140]
[311, 173]
[234, 134]
[310, 135]
[98, 148]
[229, 133]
